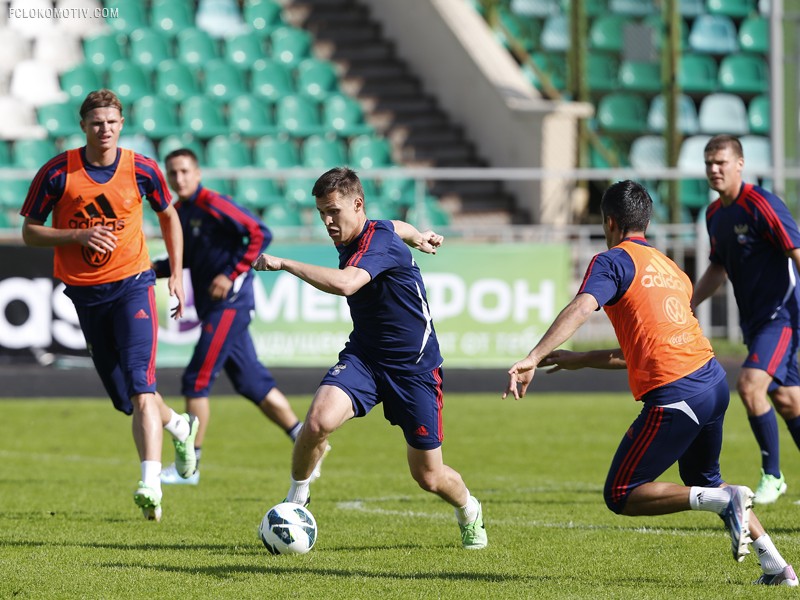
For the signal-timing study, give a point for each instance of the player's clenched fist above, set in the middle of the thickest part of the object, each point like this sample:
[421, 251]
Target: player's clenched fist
[266, 262]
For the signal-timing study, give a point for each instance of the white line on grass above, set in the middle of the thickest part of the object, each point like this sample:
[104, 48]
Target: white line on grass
[362, 506]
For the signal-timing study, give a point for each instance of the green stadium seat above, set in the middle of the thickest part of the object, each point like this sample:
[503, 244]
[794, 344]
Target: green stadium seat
[691, 8]
[691, 154]
[226, 152]
[244, 49]
[32, 153]
[129, 17]
[510, 27]
[5, 155]
[758, 115]
[555, 34]
[713, 34]
[608, 152]
[549, 67]
[175, 81]
[606, 33]
[698, 74]
[178, 141]
[743, 74]
[280, 218]
[688, 123]
[633, 8]
[196, 48]
[370, 152]
[753, 35]
[648, 152]
[737, 9]
[428, 214]
[77, 140]
[60, 120]
[602, 72]
[78, 81]
[290, 45]
[323, 152]
[220, 18]
[219, 184]
[257, 193]
[622, 112]
[298, 115]
[535, 8]
[276, 152]
[344, 115]
[693, 193]
[592, 8]
[271, 80]
[398, 190]
[148, 48]
[170, 17]
[639, 76]
[251, 116]
[317, 78]
[381, 211]
[129, 81]
[101, 51]
[263, 16]
[757, 150]
[155, 117]
[13, 193]
[297, 192]
[656, 23]
[221, 82]
[723, 113]
[203, 117]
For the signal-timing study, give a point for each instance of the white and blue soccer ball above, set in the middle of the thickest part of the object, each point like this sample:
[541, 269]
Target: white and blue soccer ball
[288, 528]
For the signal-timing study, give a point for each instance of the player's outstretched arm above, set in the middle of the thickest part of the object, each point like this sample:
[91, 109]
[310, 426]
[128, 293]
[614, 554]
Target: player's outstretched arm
[708, 283]
[596, 359]
[426, 241]
[170, 223]
[567, 323]
[342, 282]
[98, 238]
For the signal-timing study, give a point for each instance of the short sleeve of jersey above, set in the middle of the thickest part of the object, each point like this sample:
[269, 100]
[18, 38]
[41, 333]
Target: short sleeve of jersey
[776, 222]
[378, 249]
[46, 189]
[151, 182]
[608, 276]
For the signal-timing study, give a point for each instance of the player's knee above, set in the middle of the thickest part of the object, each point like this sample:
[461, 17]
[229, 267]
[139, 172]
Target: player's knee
[614, 501]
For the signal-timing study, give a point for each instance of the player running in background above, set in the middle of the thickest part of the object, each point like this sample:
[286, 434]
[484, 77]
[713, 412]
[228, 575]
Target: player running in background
[755, 243]
[392, 356]
[671, 370]
[95, 196]
[220, 241]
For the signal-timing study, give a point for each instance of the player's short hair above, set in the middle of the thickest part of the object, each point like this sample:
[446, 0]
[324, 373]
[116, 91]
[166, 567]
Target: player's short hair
[187, 152]
[100, 99]
[342, 180]
[722, 141]
[629, 203]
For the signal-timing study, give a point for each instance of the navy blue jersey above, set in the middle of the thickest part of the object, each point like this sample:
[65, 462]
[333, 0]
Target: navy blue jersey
[607, 278]
[219, 236]
[750, 239]
[392, 326]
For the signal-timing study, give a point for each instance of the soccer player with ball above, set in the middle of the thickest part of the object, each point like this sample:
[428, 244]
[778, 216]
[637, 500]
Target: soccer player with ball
[671, 370]
[392, 356]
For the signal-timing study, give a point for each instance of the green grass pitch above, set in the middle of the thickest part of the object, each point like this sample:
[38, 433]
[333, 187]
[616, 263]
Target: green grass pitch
[69, 527]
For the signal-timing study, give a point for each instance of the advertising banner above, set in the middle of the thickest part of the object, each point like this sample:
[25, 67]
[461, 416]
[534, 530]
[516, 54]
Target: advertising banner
[490, 303]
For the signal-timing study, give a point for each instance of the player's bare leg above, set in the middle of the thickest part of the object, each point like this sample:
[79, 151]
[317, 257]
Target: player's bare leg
[329, 410]
[201, 408]
[147, 429]
[277, 409]
[429, 471]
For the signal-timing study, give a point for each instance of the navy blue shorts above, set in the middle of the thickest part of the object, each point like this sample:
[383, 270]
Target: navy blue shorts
[412, 402]
[773, 349]
[688, 432]
[225, 343]
[121, 336]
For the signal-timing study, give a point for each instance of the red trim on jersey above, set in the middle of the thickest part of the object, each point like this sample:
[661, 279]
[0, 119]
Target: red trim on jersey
[772, 218]
[363, 245]
[204, 376]
[38, 181]
[780, 350]
[437, 375]
[586, 275]
[636, 452]
[151, 366]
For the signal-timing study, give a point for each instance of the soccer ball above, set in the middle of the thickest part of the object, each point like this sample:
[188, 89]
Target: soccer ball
[288, 528]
